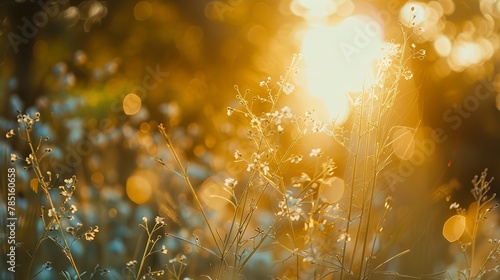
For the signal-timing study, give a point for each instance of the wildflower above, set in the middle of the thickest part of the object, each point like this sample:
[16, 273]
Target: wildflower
[230, 111]
[296, 159]
[407, 74]
[164, 250]
[230, 183]
[255, 122]
[159, 220]
[286, 87]
[265, 169]
[29, 159]
[384, 63]
[309, 255]
[70, 230]
[315, 152]
[68, 181]
[393, 49]
[262, 83]
[344, 236]
[318, 127]
[276, 116]
[280, 128]
[73, 209]
[47, 266]
[295, 214]
[131, 263]
[52, 212]
[27, 120]
[64, 192]
[287, 112]
[90, 234]
[144, 219]
[299, 181]
[454, 205]
[292, 208]
[250, 167]
[237, 155]
[10, 133]
[182, 259]
[13, 157]
[329, 167]
[308, 259]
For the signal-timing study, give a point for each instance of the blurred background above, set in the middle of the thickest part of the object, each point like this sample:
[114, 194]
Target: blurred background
[104, 74]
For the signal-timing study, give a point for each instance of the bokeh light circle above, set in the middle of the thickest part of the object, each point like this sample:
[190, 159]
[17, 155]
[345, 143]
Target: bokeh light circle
[138, 189]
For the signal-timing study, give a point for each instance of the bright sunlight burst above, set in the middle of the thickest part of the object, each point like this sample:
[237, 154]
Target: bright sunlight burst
[340, 59]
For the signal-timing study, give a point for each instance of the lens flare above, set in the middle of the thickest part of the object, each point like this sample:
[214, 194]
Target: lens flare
[340, 59]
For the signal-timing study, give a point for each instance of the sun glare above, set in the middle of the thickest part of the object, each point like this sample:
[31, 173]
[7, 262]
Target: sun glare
[413, 13]
[314, 8]
[339, 59]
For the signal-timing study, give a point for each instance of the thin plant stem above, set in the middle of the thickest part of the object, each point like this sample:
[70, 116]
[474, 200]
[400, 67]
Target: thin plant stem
[144, 254]
[351, 198]
[44, 187]
[190, 186]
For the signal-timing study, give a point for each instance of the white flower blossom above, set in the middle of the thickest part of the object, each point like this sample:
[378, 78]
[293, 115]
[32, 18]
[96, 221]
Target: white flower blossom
[52, 212]
[287, 112]
[237, 155]
[230, 183]
[159, 220]
[315, 152]
[10, 133]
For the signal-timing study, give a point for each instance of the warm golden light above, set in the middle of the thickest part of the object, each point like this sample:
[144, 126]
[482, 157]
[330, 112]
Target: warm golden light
[34, 184]
[314, 8]
[403, 143]
[413, 12]
[138, 189]
[143, 10]
[214, 195]
[464, 54]
[426, 18]
[443, 45]
[320, 10]
[131, 104]
[340, 59]
[332, 189]
[97, 179]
